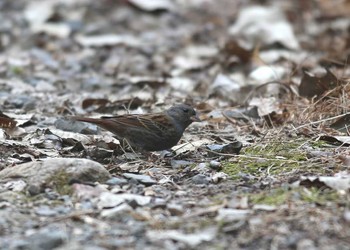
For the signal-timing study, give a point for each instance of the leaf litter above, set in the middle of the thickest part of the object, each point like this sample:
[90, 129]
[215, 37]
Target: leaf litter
[267, 166]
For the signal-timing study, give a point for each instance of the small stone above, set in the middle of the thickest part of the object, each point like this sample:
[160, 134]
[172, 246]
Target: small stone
[114, 212]
[119, 243]
[230, 148]
[306, 244]
[230, 214]
[175, 210]
[246, 177]
[34, 189]
[45, 211]
[215, 165]
[57, 171]
[51, 194]
[219, 176]
[202, 167]
[20, 101]
[20, 244]
[200, 179]
[144, 179]
[109, 200]
[175, 164]
[116, 181]
[347, 215]
[47, 239]
[264, 207]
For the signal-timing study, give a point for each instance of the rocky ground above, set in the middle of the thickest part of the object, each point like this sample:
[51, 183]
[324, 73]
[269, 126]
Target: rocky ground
[267, 168]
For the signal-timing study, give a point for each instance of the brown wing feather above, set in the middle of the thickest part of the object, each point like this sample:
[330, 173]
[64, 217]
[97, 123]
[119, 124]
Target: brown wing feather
[153, 122]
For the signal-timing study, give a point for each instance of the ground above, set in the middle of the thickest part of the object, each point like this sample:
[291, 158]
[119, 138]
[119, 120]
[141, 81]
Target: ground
[266, 168]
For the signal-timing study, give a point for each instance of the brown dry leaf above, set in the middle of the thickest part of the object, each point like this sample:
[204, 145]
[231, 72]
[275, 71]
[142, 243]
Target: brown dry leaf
[337, 183]
[336, 140]
[233, 48]
[345, 159]
[266, 106]
[154, 84]
[93, 101]
[333, 9]
[311, 86]
[7, 122]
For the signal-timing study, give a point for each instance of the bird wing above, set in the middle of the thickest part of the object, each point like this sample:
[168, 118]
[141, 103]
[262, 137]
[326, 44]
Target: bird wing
[152, 122]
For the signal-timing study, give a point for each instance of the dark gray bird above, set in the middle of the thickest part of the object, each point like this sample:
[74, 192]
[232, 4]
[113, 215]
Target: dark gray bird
[149, 132]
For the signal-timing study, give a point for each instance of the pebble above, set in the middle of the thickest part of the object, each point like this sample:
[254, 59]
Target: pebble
[116, 181]
[202, 167]
[47, 239]
[216, 165]
[45, 211]
[77, 127]
[200, 179]
[64, 169]
[175, 164]
[175, 210]
[144, 179]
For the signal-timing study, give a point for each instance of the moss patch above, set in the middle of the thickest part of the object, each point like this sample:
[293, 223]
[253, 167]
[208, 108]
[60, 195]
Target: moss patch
[273, 158]
[281, 196]
[59, 182]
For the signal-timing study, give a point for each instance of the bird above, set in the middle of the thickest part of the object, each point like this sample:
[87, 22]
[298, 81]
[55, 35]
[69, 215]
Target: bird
[148, 132]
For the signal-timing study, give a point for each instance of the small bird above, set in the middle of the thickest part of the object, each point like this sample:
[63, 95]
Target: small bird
[149, 132]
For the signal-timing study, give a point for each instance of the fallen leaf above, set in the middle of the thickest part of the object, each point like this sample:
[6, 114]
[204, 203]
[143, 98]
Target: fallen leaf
[266, 25]
[311, 86]
[189, 146]
[336, 140]
[337, 183]
[7, 122]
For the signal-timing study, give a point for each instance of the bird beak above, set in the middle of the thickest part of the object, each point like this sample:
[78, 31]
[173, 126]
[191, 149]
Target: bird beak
[195, 118]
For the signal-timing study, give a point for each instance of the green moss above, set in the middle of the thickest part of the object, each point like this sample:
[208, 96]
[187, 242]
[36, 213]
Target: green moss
[59, 182]
[272, 158]
[321, 197]
[274, 197]
[17, 70]
[281, 196]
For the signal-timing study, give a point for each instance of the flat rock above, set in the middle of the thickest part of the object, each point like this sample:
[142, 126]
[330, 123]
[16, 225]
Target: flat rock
[200, 179]
[47, 238]
[109, 200]
[61, 169]
[144, 179]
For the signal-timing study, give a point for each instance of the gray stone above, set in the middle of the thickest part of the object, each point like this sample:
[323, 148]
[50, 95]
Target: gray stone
[47, 239]
[19, 244]
[73, 126]
[45, 211]
[180, 163]
[116, 181]
[175, 209]
[144, 179]
[200, 179]
[61, 170]
[216, 165]
[109, 200]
